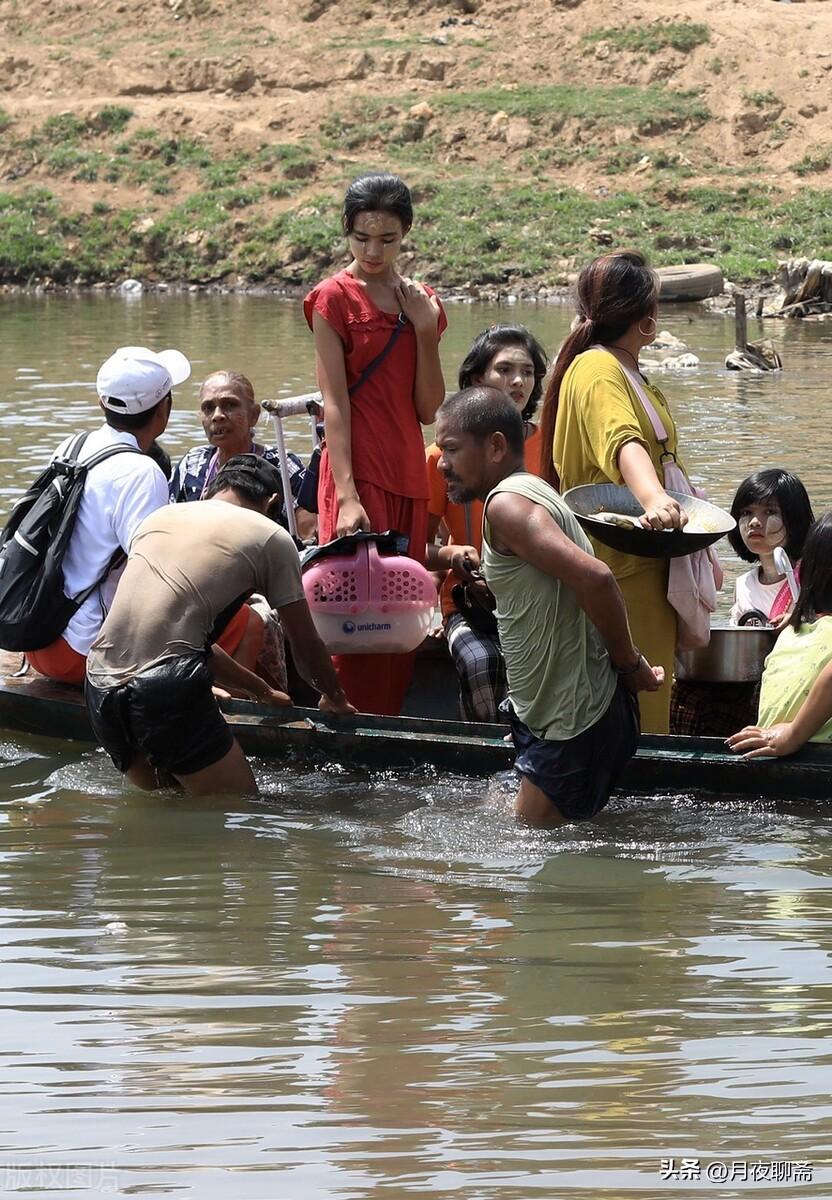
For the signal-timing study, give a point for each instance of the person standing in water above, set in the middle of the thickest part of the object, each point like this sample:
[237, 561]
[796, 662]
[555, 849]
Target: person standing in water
[572, 667]
[377, 360]
[596, 429]
[510, 358]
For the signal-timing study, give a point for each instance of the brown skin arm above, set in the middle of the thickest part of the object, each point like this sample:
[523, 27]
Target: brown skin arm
[788, 736]
[228, 673]
[311, 657]
[660, 510]
[525, 529]
[332, 380]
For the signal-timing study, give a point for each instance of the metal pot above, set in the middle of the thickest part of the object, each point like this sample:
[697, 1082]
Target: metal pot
[733, 655]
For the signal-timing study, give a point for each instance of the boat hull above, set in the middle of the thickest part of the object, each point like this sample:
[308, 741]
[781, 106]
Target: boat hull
[662, 764]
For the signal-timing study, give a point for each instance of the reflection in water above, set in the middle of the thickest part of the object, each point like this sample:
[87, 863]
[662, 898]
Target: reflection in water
[370, 980]
[380, 981]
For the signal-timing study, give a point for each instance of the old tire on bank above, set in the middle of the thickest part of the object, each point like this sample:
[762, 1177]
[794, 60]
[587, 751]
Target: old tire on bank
[691, 281]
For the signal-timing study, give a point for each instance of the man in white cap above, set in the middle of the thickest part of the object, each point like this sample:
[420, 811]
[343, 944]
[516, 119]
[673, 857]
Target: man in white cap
[134, 389]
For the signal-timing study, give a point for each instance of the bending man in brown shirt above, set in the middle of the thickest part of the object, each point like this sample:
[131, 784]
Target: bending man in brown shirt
[151, 669]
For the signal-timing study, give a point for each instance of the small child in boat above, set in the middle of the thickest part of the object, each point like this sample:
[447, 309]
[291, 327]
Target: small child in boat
[796, 692]
[771, 508]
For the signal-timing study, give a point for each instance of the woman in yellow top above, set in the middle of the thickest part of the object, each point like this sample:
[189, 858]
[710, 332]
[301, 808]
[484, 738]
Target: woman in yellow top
[594, 430]
[796, 691]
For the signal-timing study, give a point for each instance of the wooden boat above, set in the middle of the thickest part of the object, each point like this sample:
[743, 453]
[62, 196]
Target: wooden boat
[31, 704]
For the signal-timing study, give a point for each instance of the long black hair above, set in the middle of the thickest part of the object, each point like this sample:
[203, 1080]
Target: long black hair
[815, 597]
[377, 193]
[501, 337]
[794, 503]
[614, 291]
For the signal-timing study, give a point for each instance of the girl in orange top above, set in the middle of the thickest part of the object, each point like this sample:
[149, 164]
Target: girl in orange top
[507, 357]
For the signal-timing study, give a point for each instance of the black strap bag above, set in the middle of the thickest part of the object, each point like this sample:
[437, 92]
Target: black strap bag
[307, 496]
[34, 611]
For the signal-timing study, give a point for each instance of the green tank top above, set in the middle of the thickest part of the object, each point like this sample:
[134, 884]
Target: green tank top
[559, 674]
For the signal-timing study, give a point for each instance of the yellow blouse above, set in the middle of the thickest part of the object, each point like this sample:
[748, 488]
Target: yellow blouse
[598, 413]
[798, 657]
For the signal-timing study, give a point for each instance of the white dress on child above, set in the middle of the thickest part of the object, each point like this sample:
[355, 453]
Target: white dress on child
[751, 593]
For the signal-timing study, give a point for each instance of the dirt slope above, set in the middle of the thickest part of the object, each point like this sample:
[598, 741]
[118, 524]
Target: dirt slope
[234, 124]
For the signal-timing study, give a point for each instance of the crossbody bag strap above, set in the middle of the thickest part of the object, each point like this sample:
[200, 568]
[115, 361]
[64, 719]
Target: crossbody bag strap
[373, 366]
[659, 431]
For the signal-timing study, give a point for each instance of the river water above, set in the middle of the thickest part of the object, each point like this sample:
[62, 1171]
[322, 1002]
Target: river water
[376, 982]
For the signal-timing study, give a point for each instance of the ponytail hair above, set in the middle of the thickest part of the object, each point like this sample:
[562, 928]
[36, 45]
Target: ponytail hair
[614, 292]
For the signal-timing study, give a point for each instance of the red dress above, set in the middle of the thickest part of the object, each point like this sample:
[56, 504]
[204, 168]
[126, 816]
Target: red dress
[388, 459]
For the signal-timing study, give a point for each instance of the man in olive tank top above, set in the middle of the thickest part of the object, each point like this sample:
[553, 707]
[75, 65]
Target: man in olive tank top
[571, 664]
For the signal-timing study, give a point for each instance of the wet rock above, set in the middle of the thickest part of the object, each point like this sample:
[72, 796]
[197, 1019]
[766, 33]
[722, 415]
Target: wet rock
[679, 362]
[665, 340]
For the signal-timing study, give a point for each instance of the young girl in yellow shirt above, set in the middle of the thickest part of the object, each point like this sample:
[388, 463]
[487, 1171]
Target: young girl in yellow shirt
[796, 691]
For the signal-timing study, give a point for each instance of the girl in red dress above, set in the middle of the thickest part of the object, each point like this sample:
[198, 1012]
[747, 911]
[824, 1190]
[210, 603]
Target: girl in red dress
[372, 473]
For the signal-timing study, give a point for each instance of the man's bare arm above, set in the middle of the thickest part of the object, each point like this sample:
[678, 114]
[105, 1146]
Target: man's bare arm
[311, 656]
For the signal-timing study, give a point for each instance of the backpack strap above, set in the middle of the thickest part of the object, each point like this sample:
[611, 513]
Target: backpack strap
[74, 449]
[110, 452]
[118, 556]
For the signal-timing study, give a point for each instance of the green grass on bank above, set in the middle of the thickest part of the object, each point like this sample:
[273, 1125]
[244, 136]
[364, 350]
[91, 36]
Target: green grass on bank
[653, 37]
[641, 107]
[466, 229]
[108, 148]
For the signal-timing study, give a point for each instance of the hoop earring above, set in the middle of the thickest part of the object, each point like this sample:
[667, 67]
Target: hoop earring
[653, 332]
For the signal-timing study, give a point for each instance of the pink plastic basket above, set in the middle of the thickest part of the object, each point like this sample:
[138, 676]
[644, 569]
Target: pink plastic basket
[367, 603]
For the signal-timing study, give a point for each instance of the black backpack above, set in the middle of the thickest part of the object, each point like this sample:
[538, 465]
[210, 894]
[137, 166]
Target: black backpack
[34, 611]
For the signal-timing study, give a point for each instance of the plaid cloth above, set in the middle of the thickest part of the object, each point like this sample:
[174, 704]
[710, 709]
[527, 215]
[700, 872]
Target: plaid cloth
[189, 477]
[480, 668]
[712, 709]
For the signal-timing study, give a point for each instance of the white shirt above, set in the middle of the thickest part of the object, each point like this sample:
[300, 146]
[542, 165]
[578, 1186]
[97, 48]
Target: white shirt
[118, 494]
[751, 593]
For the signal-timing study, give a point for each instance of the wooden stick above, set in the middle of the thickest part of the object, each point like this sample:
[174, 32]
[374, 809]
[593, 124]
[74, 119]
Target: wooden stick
[741, 326]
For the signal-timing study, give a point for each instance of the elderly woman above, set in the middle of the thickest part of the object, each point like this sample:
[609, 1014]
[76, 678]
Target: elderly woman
[595, 430]
[229, 413]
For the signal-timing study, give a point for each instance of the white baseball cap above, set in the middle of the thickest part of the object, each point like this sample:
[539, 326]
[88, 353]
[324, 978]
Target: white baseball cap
[134, 378]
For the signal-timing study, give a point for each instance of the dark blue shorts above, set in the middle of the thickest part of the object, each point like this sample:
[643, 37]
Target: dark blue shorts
[168, 714]
[579, 774]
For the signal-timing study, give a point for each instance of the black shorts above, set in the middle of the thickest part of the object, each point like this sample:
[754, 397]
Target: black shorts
[167, 713]
[579, 774]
